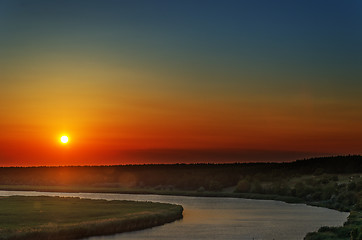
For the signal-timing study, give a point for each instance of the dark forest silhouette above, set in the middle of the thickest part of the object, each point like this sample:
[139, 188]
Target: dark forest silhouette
[181, 176]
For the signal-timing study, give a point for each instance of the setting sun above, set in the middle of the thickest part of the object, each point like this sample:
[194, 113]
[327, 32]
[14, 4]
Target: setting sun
[64, 139]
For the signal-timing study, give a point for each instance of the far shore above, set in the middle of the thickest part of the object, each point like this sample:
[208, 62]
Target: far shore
[81, 189]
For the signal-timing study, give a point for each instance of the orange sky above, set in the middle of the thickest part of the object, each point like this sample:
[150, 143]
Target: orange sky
[104, 127]
[153, 88]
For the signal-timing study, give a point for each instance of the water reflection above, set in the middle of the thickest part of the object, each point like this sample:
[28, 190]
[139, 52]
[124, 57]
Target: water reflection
[223, 218]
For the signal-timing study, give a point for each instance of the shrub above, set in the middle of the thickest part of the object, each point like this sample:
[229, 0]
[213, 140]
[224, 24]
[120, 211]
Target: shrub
[214, 185]
[243, 186]
[351, 186]
[256, 187]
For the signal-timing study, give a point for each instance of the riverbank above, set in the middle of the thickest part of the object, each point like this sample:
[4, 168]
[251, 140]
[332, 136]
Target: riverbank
[351, 230]
[354, 223]
[74, 189]
[73, 218]
[331, 182]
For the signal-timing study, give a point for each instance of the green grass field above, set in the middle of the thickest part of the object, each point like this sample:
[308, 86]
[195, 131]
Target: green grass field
[71, 218]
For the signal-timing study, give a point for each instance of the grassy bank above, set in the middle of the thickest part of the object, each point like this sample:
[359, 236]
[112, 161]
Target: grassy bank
[325, 233]
[175, 192]
[351, 230]
[331, 182]
[73, 218]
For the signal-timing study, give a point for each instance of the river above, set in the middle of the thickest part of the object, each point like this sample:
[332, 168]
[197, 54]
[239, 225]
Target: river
[221, 218]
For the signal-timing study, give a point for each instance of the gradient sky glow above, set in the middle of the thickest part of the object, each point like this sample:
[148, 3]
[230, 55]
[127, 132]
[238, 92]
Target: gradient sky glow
[178, 81]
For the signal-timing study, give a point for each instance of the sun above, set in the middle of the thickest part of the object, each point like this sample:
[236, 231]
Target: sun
[64, 139]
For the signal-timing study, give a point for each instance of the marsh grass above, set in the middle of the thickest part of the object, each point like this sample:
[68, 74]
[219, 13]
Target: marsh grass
[72, 218]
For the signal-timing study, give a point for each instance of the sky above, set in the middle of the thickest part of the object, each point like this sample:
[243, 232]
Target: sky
[133, 82]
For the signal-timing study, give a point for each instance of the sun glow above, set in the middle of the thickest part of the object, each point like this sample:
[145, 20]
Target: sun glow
[64, 139]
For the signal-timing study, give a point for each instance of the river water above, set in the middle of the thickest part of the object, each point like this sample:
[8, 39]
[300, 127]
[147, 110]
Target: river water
[221, 218]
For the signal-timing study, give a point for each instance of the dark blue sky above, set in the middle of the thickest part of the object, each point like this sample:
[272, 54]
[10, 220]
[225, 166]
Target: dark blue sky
[304, 35]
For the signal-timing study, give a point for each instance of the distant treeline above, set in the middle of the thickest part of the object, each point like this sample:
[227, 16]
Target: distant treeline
[181, 176]
[333, 182]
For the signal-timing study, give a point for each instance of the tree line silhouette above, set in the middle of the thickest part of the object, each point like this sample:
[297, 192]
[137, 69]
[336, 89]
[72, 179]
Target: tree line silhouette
[181, 176]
